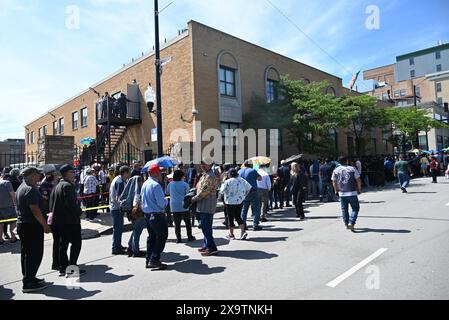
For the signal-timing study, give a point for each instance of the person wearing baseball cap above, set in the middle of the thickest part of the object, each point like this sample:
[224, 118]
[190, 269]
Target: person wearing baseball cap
[66, 222]
[31, 226]
[153, 206]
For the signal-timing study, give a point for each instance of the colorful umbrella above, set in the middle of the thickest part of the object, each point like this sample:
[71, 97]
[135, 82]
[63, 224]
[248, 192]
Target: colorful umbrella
[164, 162]
[87, 141]
[260, 160]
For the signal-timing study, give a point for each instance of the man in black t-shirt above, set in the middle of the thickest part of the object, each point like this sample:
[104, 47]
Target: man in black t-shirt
[31, 226]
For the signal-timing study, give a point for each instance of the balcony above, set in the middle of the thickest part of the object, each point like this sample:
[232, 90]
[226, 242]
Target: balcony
[111, 114]
[131, 117]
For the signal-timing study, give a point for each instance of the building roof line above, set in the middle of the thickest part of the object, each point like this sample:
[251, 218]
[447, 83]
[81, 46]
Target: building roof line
[121, 70]
[260, 47]
[422, 52]
[388, 65]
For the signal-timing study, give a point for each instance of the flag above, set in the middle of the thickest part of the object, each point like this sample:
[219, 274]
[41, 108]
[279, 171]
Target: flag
[354, 80]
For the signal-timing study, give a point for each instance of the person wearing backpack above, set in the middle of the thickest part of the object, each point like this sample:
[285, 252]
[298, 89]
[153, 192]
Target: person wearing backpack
[116, 190]
[128, 200]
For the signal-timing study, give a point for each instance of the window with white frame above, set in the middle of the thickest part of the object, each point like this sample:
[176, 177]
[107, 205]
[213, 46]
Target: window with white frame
[61, 126]
[84, 118]
[75, 120]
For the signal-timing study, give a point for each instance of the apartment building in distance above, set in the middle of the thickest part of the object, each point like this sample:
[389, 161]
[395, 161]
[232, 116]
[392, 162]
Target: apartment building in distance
[420, 78]
[12, 152]
[211, 77]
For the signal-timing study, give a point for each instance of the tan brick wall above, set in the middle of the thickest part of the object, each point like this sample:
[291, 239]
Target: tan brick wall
[189, 81]
[253, 61]
[176, 99]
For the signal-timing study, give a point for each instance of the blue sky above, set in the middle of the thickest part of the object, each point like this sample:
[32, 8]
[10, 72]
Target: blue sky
[43, 63]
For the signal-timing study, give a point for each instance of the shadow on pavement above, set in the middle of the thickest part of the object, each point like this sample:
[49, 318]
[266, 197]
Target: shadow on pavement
[371, 202]
[199, 243]
[12, 248]
[423, 192]
[172, 257]
[6, 294]
[324, 218]
[195, 267]
[406, 218]
[98, 273]
[267, 239]
[65, 293]
[247, 254]
[368, 230]
[267, 228]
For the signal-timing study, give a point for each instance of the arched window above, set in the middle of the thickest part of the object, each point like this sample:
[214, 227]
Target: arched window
[305, 80]
[330, 90]
[272, 80]
[228, 70]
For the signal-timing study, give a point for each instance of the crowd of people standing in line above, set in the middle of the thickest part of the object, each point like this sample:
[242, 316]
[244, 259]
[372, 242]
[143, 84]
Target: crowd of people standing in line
[155, 200]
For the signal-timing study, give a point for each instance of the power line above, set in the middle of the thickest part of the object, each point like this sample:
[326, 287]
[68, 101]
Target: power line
[310, 38]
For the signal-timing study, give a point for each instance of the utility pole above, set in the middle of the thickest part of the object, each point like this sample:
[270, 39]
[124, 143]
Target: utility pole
[415, 99]
[160, 145]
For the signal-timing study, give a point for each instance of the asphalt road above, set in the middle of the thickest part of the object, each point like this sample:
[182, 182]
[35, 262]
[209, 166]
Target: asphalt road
[400, 251]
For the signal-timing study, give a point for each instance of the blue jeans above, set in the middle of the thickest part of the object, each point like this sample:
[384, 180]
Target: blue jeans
[327, 190]
[157, 227]
[271, 199]
[207, 220]
[252, 199]
[404, 179]
[117, 230]
[355, 205]
[134, 240]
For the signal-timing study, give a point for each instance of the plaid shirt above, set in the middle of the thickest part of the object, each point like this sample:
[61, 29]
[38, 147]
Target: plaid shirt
[90, 185]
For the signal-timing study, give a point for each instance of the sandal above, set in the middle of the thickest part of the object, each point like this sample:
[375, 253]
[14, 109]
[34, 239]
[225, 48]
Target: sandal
[15, 240]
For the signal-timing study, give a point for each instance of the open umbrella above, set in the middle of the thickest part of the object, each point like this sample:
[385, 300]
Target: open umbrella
[260, 160]
[294, 158]
[87, 141]
[164, 162]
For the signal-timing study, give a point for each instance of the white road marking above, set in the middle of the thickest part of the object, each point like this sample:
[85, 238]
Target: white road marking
[447, 204]
[356, 268]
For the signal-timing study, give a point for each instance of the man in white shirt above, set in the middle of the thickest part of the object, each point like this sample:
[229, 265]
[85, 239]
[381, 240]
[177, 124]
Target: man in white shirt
[149, 98]
[264, 187]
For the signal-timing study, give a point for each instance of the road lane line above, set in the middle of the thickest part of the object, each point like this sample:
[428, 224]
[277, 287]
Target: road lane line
[356, 268]
[447, 204]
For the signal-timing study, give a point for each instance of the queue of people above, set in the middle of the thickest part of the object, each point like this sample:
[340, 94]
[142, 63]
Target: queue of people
[48, 204]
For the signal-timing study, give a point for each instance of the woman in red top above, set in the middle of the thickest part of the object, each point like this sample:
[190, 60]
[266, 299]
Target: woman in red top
[434, 169]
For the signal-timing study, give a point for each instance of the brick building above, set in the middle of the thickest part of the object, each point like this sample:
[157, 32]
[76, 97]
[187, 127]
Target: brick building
[211, 78]
[424, 74]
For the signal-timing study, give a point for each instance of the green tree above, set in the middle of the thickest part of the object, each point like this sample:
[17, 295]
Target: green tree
[304, 110]
[411, 121]
[361, 114]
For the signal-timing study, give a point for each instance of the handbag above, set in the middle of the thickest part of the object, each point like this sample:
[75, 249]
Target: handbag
[137, 212]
